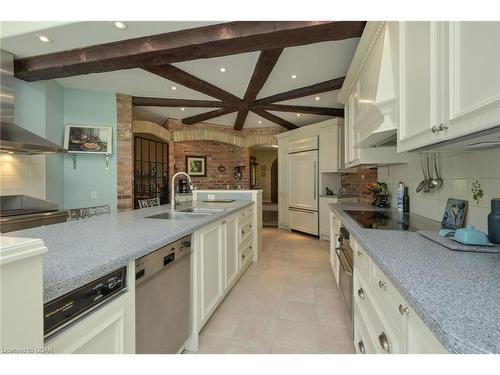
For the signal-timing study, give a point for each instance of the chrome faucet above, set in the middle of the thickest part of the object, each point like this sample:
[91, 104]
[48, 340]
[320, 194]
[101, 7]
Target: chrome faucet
[172, 189]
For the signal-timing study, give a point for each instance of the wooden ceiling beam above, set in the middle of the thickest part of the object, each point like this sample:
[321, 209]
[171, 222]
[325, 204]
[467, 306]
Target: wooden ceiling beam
[142, 101]
[183, 78]
[337, 112]
[263, 68]
[240, 119]
[317, 88]
[273, 118]
[184, 45]
[208, 115]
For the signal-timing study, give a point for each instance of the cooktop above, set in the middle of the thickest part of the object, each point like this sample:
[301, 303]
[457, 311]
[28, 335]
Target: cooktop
[392, 220]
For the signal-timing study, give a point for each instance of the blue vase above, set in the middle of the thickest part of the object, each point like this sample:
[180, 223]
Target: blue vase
[494, 221]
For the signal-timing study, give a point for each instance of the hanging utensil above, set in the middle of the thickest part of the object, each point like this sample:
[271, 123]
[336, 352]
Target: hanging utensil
[428, 186]
[424, 181]
[438, 181]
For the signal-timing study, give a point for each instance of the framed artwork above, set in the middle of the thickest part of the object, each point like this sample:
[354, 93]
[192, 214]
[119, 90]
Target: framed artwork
[196, 166]
[262, 167]
[454, 213]
[88, 139]
[263, 174]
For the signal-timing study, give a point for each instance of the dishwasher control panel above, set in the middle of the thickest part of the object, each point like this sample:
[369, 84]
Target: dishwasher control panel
[147, 266]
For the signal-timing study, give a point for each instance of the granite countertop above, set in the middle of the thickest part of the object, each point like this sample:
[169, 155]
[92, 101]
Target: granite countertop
[84, 250]
[456, 294]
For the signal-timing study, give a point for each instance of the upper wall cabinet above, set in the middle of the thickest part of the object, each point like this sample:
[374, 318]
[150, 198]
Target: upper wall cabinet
[448, 80]
[473, 73]
[370, 98]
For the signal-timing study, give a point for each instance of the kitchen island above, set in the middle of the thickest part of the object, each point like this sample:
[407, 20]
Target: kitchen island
[82, 251]
[455, 294]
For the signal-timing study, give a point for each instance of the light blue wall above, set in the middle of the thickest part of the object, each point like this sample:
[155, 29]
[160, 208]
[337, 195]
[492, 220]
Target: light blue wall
[39, 108]
[54, 130]
[44, 108]
[82, 107]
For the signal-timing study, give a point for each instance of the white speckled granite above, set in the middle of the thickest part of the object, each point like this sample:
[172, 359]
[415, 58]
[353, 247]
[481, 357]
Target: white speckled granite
[456, 294]
[84, 250]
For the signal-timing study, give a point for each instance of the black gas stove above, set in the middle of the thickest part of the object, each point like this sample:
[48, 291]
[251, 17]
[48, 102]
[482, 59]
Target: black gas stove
[392, 220]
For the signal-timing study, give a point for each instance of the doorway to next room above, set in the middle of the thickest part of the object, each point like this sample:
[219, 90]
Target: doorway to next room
[264, 175]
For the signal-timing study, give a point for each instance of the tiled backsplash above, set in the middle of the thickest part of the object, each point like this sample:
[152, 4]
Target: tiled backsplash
[459, 172]
[22, 174]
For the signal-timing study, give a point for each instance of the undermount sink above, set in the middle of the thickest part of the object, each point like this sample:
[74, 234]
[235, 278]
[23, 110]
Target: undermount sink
[177, 215]
[202, 210]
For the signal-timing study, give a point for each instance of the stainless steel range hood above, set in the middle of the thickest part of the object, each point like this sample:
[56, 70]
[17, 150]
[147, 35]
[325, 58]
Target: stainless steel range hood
[14, 138]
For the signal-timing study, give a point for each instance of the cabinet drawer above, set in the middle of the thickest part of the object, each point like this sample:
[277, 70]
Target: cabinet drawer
[386, 339]
[362, 261]
[304, 144]
[362, 341]
[245, 214]
[394, 306]
[246, 256]
[246, 231]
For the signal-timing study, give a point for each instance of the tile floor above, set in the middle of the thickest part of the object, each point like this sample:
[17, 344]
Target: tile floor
[287, 302]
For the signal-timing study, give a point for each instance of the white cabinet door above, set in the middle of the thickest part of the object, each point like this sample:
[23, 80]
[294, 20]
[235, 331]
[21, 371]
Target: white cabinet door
[324, 217]
[303, 180]
[473, 76]
[108, 330]
[330, 152]
[283, 216]
[420, 99]
[420, 339]
[334, 232]
[210, 269]
[230, 250]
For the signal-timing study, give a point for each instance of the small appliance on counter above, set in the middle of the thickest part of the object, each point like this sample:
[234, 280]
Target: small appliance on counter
[381, 194]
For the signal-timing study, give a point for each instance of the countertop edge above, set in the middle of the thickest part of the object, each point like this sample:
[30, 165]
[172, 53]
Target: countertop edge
[449, 341]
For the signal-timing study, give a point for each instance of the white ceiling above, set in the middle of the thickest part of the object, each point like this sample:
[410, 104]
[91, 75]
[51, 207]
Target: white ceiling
[311, 64]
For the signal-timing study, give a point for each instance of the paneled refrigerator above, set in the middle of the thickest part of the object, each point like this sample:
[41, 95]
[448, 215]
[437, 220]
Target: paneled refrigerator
[303, 186]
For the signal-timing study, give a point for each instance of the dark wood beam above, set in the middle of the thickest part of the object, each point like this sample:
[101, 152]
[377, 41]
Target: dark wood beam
[183, 78]
[208, 115]
[240, 119]
[168, 102]
[337, 112]
[183, 45]
[273, 118]
[333, 84]
[263, 68]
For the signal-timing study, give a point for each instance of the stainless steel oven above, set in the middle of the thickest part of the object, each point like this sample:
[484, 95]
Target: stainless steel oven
[345, 255]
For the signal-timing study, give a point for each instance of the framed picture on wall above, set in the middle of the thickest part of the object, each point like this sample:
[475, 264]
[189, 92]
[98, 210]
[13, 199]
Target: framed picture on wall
[196, 166]
[263, 174]
[86, 139]
[262, 167]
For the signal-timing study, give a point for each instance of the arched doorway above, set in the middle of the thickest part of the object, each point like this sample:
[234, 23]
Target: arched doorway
[274, 181]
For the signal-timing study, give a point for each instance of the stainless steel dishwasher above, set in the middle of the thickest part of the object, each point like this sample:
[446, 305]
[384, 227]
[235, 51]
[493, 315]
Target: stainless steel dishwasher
[163, 298]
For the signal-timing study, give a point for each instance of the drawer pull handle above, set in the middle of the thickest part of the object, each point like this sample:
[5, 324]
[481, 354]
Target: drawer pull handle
[242, 232]
[384, 343]
[243, 257]
[382, 285]
[359, 253]
[361, 346]
[403, 310]
[434, 129]
[361, 293]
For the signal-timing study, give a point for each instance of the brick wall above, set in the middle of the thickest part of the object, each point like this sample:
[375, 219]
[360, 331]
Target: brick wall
[358, 182]
[217, 154]
[124, 152]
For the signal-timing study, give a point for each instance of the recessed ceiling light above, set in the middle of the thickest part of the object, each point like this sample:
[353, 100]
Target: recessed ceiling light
[174, 88]
[298, 114]
[222, 70]
[182, 109]
[317, 98]
[43, 38]
[293, 76]
[260, 122]
[119, 25]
